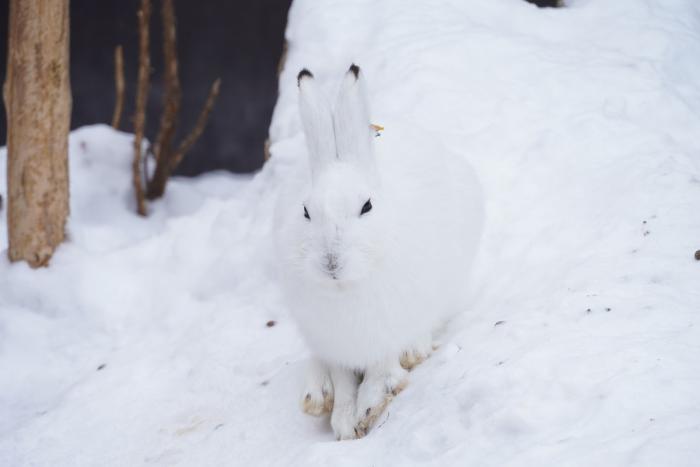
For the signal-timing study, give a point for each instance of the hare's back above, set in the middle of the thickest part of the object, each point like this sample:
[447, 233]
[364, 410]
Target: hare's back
[438, 207]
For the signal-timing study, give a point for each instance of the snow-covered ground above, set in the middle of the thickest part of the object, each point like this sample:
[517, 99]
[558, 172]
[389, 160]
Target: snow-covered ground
[146, 341]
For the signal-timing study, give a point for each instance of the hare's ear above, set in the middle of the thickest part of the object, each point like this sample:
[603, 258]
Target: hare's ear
[317, 120]
[353, 136]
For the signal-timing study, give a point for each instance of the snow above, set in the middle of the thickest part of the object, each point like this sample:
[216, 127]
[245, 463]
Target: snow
[583, 125]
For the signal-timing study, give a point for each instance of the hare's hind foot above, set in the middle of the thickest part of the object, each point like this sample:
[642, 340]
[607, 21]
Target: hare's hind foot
[378, 388]
[417, 354]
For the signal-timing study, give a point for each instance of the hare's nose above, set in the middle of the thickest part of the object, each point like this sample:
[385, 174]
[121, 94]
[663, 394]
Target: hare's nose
[331, 262]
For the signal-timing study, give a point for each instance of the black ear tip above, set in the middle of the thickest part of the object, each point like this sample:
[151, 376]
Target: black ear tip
[355, 70]
[303, 74]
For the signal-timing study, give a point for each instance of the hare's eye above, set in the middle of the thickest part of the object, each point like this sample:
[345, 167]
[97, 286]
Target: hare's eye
[366, 208]
[306, 213]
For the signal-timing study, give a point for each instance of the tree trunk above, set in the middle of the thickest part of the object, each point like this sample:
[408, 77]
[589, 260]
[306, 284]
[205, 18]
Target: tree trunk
[38, 104]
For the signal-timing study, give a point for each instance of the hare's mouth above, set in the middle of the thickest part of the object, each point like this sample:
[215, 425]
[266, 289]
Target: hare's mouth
[334, 274]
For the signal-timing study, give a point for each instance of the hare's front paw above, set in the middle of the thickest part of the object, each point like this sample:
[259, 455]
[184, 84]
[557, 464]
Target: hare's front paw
[344, 416]
[378, 388]
[343, 422]
[317, 397]
[416, 354]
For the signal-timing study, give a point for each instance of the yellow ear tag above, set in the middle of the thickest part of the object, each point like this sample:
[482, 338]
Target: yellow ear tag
[377, 129]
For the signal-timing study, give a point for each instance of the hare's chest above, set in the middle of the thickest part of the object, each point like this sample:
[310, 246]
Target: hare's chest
[358, 329]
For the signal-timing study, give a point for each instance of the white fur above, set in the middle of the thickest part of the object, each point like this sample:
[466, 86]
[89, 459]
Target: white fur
[366, 290]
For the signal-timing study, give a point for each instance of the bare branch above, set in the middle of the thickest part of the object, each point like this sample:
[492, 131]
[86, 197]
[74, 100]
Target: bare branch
[196, 132]
[266, 149]
[166, 158]
[118, 86]
[144, 16]
[172, 94]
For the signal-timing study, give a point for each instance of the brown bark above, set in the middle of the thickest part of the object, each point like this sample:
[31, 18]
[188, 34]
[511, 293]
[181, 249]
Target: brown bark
[143, 80]
[38, 104]
[118, 86]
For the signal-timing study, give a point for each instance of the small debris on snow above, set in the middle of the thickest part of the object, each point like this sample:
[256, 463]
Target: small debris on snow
[270, 323]
[498, 323]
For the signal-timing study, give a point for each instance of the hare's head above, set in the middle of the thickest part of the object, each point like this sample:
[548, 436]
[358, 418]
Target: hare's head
[342, 213]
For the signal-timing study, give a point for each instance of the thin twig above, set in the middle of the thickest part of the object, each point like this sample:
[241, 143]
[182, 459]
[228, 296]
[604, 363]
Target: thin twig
[196, 132]
[118, 86]
[144, 16]
[266, 149]
[172, 93]
[172, 96]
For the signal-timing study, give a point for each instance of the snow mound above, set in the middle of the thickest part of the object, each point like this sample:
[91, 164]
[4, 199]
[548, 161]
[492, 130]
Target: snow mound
[164, 341]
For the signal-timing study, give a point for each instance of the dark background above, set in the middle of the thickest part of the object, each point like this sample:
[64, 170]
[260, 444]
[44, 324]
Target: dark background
[238, 41]
[547, 3]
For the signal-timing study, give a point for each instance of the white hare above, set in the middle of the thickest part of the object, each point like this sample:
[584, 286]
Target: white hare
[375, 251]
